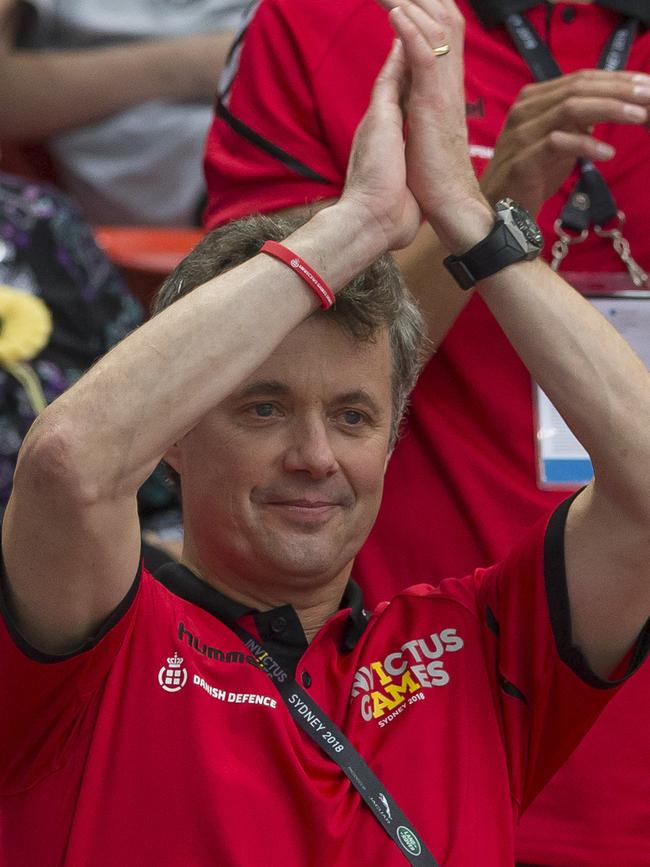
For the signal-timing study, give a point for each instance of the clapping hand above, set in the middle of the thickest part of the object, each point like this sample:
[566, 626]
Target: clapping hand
[376, 177]
[439, 171]
[551, 125]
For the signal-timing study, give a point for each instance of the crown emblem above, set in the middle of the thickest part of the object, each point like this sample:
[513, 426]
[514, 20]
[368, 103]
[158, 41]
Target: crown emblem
[175, 661]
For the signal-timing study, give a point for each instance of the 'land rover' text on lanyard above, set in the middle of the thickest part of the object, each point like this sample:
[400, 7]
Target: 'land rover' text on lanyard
[591, 202]
[335, 744]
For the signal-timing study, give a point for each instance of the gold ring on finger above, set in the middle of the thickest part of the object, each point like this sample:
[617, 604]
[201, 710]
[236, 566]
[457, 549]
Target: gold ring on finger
[441, 50]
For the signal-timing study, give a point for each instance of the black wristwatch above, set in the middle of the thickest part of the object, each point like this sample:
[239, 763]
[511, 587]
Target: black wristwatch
[514, 237]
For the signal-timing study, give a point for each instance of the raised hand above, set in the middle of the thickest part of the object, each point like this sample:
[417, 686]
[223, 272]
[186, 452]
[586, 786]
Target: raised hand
[550, 126]
[376, 178]
[439, 170]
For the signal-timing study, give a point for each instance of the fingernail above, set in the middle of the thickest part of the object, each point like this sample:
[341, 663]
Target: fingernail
[642, 90]
[605, 151]
[641, 77]
[635, 111]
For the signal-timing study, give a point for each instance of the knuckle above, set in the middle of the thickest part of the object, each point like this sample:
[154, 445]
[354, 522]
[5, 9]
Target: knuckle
[586, 76]
[517, 140]
[444, 17]
[526, 91]
[519, 170]
[517, 114]
[584, 82]
[557, 142]
[439, 34]
[571, 107]
[458, 17]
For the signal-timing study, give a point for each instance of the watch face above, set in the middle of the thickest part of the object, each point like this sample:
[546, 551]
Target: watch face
[523, 221]
[528, 226]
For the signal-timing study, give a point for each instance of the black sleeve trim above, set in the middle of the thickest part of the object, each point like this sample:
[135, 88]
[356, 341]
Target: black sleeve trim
[492, 622]
[37, 655]
[273, 150]
[513, 691]
[557, 595]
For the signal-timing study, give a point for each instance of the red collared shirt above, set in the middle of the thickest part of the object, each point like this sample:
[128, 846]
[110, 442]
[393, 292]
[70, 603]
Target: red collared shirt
[163, 742]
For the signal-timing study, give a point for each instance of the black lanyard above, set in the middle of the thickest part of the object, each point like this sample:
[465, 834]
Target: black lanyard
[591, 202]
[312, 720]
[492, 13]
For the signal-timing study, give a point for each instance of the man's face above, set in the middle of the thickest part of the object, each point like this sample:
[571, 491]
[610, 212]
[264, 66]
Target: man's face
[284, 478]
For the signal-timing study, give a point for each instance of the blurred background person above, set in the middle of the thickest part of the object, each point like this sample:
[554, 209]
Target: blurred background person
[121, 94]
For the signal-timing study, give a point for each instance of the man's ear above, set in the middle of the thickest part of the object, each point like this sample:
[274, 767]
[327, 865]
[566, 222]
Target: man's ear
[173, 457]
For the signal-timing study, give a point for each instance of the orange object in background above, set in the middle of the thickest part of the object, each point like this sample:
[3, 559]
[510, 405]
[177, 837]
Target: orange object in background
[146, 254]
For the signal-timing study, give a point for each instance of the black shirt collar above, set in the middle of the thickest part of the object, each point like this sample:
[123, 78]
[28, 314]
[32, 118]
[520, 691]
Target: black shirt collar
[184, 583]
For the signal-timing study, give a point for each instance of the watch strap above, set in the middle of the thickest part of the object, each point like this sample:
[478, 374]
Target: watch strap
[497, 250]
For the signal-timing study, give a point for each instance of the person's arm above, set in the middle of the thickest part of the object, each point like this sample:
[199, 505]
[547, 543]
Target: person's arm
[71, 537]
[545, 132]
[592, 376]
[47, 92]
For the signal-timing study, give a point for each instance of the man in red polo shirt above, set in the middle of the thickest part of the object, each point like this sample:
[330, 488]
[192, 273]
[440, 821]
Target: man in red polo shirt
[156, 721]
[469, 447]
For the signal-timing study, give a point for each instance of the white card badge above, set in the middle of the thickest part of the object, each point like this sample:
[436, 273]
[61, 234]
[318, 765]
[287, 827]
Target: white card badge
[561, 460]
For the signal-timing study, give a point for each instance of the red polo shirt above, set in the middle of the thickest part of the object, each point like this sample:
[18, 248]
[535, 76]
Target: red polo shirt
[163, 743]
[301, 82]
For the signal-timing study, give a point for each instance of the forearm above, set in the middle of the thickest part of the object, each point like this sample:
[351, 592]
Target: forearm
[587, 370]
[119, 419]
[603, 392]
[48, 92]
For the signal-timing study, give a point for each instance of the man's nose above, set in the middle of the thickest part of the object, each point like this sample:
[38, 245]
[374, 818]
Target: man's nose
[310, 450]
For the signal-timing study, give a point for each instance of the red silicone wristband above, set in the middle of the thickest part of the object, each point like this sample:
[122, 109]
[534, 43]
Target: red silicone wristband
[316, 283]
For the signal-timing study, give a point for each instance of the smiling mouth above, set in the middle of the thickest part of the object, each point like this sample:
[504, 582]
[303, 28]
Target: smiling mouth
[304, 504]
[305, 511]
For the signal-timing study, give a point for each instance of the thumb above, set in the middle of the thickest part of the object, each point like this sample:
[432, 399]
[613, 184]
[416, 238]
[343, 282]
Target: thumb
[390, 83]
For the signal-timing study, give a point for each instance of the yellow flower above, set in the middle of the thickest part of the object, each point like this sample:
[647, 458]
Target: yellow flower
[25, 328]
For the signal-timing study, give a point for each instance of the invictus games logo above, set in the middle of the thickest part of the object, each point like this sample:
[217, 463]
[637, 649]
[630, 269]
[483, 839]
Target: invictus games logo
[172, 677]
[409, 841]
[295, 263]
[388, 686]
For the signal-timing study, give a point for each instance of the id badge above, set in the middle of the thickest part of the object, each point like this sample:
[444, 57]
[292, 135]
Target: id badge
[562, 463]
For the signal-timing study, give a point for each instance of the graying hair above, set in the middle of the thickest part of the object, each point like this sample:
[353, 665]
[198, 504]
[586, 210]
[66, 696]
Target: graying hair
[377, 298]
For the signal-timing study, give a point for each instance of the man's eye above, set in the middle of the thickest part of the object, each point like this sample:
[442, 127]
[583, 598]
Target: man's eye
[353, 417]
[263, 410]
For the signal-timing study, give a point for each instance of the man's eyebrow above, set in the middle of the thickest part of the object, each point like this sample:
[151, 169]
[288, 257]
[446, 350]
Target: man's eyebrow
[360, 396]
[262, 387]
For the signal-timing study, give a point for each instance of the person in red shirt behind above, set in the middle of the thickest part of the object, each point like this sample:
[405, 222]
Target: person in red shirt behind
[297, 84]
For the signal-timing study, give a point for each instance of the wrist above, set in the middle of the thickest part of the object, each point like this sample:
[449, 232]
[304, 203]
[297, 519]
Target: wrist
[461, 225]
[514, 237]
[339, 242]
